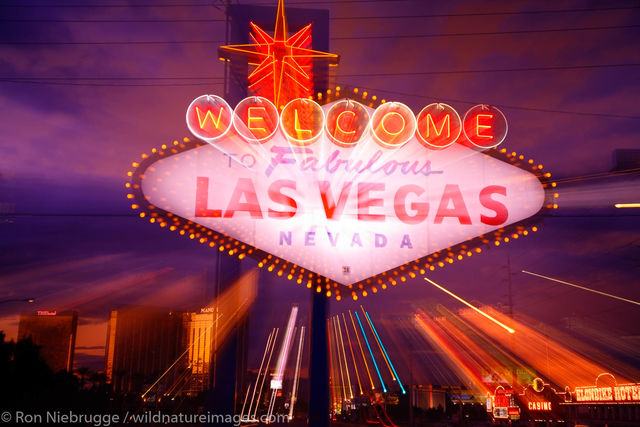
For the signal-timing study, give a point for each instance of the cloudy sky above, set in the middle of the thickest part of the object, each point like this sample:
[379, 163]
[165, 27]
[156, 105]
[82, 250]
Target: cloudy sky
[86, 89]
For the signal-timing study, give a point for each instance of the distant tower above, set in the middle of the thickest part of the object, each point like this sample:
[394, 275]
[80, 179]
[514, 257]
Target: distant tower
[197, 341]
[55, 333]
[142, 343]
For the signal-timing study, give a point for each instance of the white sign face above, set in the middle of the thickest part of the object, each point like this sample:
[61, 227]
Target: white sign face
[345, 212]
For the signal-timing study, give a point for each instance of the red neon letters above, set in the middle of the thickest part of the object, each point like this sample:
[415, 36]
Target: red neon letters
[485, 126]
[439, 126]
[372, 200]
[302, 121]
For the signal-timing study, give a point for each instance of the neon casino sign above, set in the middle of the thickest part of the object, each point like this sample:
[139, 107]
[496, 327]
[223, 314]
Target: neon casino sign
[617, 393]
[351, 196]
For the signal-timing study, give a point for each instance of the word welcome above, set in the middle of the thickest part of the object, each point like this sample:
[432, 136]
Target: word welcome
[346, 123]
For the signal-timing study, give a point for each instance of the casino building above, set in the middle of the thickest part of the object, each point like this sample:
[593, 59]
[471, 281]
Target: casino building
[600, 405]
[145, 345]
[141, 344]
[54, 333]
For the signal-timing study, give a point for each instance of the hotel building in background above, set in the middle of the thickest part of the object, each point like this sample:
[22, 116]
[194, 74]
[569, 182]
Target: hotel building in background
[54, 333]
[141, 344]
[199, 335]
[144, 343]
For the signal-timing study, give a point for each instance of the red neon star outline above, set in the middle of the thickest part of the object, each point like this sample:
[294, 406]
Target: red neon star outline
[283, 62]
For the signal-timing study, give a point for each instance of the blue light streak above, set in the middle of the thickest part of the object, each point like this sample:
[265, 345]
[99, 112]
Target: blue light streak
[385, 353]
[384, 388]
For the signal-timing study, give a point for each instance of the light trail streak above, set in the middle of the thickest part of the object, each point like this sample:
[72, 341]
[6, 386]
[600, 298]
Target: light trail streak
[582, 287]
[375, 335]
[553, 358]
[332, 372]
[246, 397]
[344, 355]
[451, 353]
[364, 358]
[477, 353]
[294, 390]
[272, 403]
[496, 321]
[375, 365]
[627, 205]
[266, 370]
[395, 374]
[477, 342]
[236, 299]
[264, 356]
[343, 387]
[178, 359]
[276, 381]
[353, 357]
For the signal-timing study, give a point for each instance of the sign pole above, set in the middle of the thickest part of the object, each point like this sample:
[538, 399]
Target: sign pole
[318, 363]
[225, 360]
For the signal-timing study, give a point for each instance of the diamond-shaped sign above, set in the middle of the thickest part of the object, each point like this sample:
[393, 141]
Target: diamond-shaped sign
[342, 212]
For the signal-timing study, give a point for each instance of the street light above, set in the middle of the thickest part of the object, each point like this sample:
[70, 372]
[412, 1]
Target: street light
[29, 300]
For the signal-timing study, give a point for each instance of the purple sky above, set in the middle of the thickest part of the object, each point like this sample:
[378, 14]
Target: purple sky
[77, 112]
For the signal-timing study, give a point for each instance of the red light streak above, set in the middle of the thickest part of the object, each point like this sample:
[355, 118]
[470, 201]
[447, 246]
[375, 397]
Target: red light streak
[451, 354]
[551, 358]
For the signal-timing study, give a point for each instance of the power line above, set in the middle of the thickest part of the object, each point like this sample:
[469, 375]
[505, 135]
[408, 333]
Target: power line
[67, 81]
[418, 73]
[171, 5]
[486, 33]
[102, 6]
[491, 70]
[453, 15]
[62, 83]
[338, 18]
[111, 78]
[512, 107]
[413, 36]
[135, 42]
[92, 21]
[35, 79]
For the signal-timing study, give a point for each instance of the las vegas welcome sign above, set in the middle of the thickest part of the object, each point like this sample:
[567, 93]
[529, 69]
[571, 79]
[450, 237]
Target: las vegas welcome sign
[352, 193]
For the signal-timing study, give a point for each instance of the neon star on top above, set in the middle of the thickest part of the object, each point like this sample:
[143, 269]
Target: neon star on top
[283, 69]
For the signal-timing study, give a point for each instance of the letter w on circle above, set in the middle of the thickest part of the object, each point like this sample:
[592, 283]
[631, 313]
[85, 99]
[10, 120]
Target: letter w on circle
[209, 115]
